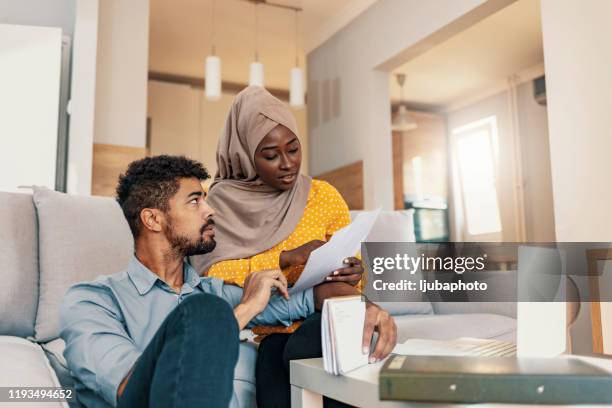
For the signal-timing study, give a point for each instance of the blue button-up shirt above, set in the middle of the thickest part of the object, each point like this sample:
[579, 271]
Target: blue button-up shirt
[108, 323]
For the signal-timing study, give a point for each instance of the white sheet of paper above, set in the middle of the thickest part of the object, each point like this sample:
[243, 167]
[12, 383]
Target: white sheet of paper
[327, 258]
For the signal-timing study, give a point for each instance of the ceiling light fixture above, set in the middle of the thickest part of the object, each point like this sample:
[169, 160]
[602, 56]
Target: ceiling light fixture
[402, 121]
[296, 85]
[212, 76]
[256, 71]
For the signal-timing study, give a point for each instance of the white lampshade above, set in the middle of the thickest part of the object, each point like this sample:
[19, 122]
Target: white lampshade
[296, 88]
[212, 78]
[403, 121]
[256, 74]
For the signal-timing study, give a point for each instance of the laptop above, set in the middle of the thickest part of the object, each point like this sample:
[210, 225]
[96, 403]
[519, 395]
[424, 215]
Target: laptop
[541, 324]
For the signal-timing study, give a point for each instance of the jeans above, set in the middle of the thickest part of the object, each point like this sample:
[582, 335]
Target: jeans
[273, 357]
[190, 360]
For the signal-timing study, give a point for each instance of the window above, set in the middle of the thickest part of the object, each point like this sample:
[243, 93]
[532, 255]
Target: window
[476, 155]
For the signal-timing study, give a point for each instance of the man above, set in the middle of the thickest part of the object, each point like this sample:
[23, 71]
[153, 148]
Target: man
[157, 334]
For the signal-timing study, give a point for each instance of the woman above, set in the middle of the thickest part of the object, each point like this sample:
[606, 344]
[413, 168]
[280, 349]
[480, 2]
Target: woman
[270, 216]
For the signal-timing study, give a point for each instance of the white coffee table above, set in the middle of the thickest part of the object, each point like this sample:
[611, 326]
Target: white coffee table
[309, 382]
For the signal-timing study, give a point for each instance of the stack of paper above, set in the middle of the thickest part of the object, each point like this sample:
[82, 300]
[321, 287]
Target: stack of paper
[342, 323]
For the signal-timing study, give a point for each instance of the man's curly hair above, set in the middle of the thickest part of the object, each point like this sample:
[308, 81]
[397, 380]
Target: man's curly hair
[151, 182]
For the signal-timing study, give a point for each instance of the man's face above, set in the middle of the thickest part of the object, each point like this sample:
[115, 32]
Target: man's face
[190, 227]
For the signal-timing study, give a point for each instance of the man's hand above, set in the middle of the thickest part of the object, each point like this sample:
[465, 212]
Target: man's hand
[299, 255]
[350, 273]
[258, 288]
[379, 320]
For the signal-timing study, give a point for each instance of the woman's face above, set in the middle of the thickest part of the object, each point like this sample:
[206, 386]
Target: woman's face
[278, 158]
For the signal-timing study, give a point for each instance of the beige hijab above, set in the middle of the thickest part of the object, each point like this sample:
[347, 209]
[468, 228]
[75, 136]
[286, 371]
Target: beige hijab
[250, 216]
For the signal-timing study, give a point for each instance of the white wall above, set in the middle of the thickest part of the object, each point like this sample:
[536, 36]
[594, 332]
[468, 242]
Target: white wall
[183, 122]
[42, 13]
[349, 116]
[30, 66]
[82, 98]
[78, 19]
[122, 69]
[535, 161]
[109, 72]
[537, 178]
[578, 60]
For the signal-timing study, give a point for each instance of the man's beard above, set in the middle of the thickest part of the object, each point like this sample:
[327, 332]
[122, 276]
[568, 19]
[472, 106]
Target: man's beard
[181, 245]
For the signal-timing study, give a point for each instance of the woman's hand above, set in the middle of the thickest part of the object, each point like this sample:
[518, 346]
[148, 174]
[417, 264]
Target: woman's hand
[299, 255]
[351, 273]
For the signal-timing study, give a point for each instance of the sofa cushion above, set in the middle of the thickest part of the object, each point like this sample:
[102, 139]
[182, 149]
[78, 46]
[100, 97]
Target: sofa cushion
[448, 327]
[55, 353]
[18, 264]
[80, 238]
[23, 364]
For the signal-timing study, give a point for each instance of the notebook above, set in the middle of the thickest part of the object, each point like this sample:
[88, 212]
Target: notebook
[342, 321]
[494, 380]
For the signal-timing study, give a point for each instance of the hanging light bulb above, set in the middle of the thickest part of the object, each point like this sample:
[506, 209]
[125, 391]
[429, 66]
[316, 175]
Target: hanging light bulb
[402, 121]
[256, 74]
[296, 84]
[256, 70]
[212, 76]
[296, 89]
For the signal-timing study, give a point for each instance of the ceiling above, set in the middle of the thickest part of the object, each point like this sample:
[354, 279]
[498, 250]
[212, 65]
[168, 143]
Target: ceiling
[181, 35]
[476, 59]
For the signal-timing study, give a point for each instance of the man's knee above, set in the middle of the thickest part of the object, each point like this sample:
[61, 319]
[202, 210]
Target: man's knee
[205, 309]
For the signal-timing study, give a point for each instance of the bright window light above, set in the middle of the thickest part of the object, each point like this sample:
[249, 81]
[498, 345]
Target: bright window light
[476, 147]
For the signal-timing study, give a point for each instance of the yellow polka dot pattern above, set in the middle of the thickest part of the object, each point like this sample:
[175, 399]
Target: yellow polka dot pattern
[325, 213]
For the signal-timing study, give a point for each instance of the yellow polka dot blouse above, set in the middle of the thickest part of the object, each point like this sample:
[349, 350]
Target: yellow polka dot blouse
[325, 213]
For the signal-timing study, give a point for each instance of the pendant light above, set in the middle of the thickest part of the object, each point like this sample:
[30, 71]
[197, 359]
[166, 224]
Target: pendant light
[256, 70]
[212, 77]
[296, 84]
[402, 121]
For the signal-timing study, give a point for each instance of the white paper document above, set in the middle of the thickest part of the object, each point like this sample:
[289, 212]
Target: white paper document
[327, 258]
[342, 321]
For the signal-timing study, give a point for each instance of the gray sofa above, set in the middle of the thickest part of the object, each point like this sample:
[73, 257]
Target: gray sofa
[50, 240]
